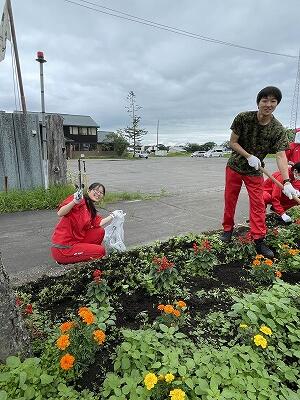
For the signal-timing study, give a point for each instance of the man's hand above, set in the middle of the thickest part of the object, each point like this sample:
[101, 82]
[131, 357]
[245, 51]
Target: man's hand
[78, 196]
[290, 191]
[286, 218]
[254, 162]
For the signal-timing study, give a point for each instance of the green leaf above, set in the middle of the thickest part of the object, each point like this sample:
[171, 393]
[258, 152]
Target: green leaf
[156, 365]
[252, 316]
[46, 379]
[189, 383]
[164, 328]
[3, 395]
[202, 387]
[125, 363]
[22, 378]
[5, 376]
[29, 393]
[13, 362]
[126, 346]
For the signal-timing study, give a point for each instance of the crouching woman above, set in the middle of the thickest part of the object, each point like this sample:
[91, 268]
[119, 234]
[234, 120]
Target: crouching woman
[79, 234]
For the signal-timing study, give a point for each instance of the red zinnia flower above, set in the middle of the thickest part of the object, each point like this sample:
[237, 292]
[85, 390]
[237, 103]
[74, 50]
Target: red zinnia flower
[97, 275]
[28, 309]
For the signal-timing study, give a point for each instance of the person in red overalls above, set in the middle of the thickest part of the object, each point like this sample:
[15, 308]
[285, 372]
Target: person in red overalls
[79, 233]
[273, 194]
[293, 153]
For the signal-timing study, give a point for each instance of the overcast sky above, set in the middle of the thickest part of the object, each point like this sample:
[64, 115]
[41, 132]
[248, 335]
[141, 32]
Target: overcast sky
[194, 87]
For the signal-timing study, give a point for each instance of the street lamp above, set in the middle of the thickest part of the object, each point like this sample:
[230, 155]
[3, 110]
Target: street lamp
[40, 58]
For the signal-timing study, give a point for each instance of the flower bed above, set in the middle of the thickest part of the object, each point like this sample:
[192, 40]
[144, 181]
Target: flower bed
[189, 318]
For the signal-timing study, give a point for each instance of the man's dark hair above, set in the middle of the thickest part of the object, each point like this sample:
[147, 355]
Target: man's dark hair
[269, 91]
[296, 167]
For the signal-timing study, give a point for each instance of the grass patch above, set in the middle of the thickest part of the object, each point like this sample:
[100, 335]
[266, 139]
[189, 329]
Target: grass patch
[42, 199]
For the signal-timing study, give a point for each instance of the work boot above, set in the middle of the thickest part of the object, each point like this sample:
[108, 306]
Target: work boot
[263, 249]
[226, 236]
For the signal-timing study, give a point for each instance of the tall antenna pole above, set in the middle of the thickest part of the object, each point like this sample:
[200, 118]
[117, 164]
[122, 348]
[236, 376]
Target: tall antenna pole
[295, 104]
[40, 58]
[157, 127]
[14, 40]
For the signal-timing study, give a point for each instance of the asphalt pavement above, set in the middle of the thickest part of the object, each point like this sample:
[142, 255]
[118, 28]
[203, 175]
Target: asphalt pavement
[194, 203]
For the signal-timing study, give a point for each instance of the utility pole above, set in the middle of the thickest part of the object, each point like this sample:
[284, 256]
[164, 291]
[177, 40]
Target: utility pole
[41, 60]
[16, 53]
[157, 127]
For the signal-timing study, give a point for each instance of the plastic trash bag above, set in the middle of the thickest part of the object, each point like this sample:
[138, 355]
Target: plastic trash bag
[114, 233]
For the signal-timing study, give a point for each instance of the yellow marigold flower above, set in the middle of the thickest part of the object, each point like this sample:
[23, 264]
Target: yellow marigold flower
[293, 252]
[67, 361]
[150, 380]
[259, 340]
[278, 274]
[169, 378]
[86, 315]
[160, 307]
[181, 303]
[243, 326]
[66, 326]
[176, 313]
[268, 262]
[266, 330]
[99, 336]
[256, 262]
[177, 394]
[63, 342]
[161, 377]
[169, 309]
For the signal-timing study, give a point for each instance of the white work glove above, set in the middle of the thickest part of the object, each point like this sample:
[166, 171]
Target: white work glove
[254, 162]
[78, 196]
[290, 191]
[286, 218]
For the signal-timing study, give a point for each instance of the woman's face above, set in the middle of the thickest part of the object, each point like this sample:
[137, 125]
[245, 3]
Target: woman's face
[96, 194]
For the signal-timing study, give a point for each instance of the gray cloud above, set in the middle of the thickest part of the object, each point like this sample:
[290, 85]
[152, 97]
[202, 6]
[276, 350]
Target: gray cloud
[193, 87]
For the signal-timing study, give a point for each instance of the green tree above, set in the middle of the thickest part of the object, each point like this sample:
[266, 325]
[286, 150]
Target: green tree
[191, 147]
[133, 132]
[119, 142]
[207, 146]
[226, 145]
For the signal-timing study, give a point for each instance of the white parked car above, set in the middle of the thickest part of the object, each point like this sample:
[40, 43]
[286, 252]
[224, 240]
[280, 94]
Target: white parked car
[214, 153]
[142, 155]
[198, 153]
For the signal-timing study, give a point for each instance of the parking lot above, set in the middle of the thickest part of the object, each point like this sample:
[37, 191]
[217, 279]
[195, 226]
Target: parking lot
[194, 204]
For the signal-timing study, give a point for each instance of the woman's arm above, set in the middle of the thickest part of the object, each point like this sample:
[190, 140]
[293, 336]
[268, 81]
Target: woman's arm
[64, 210]
[106, 220]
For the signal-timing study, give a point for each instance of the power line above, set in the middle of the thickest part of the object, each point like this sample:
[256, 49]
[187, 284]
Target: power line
[143, 21]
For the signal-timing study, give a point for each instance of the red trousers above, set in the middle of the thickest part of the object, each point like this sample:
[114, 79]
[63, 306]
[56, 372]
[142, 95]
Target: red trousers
[90, 249]
[254, 186]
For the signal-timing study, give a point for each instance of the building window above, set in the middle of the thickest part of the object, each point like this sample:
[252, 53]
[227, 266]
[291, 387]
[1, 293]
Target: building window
[82, 130]
[93, 131]
[74, 130]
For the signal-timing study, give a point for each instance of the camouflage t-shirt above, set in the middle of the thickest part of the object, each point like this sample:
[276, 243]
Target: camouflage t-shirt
[256, 139]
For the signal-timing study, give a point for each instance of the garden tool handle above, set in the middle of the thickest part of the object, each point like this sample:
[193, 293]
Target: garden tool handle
[279, 184]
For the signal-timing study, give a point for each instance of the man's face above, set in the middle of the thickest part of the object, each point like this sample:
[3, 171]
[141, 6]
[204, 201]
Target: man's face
[267, 105]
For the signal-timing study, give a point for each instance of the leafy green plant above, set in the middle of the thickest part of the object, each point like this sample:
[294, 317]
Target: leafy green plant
[78, 341]
[264, 270]
[29, 380]
[203, 258]
[289, 258]
[172, 314]
[241, 248]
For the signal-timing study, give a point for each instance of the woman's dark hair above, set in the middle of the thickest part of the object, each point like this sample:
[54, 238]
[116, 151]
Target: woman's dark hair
[269, 91]
[89, 203]
[296, 167]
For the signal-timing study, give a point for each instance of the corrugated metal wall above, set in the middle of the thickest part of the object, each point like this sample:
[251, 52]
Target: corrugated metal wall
[20, 151]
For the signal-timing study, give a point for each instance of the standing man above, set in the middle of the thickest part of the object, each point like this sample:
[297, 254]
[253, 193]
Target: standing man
[254, 135]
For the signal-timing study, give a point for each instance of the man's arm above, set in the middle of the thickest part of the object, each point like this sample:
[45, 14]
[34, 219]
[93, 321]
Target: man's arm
[233, 143]
[282, 164]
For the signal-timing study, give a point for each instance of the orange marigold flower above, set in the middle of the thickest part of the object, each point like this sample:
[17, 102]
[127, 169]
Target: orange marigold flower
[86, 315]
[293, 252]
[161, 307]
[176, 313]
[256, 262]
[278, 274]
[168, 309]
[63, 342]
[66, 326]
[268, 262]
[181, 303]
[67, 361]
[259, 256]
[99, 336]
